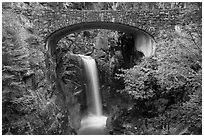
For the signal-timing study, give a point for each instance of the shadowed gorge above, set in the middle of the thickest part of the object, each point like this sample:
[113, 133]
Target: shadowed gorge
[138, 41]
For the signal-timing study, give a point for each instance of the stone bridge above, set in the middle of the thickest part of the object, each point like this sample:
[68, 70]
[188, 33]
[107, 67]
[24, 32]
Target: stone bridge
[150, 22]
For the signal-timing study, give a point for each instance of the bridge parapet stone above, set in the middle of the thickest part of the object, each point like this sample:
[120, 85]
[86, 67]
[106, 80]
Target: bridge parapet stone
[150, 21]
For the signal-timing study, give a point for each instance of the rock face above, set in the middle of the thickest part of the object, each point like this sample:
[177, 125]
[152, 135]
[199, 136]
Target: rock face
[69, 87]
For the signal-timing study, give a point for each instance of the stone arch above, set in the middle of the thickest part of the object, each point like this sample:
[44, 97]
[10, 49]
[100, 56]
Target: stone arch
[143, 41]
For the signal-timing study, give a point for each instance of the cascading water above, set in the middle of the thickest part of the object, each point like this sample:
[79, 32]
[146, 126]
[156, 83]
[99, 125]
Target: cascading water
[93, 95]
[95, 121]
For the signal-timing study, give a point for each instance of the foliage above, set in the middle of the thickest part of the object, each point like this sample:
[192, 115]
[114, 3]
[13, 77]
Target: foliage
[26, 104]
[159, 95]
[166, 88]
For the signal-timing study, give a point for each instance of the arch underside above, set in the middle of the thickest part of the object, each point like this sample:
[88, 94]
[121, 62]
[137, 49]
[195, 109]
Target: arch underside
[144, 42]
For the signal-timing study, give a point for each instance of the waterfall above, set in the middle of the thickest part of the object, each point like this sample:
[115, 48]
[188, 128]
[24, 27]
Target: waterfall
[92, 86]
[95, 122]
